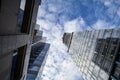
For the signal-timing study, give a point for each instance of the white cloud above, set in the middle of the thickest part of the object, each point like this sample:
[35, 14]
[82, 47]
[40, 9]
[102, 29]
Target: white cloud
[41, 12]
[107, 3]
[112, 9]
[58, 65]
[56, 32]
[74, 25]
[51, 30]
[51, 17]
[52, 8]
[118, 12]
[101, 24]
[67, 69]
[45, 24]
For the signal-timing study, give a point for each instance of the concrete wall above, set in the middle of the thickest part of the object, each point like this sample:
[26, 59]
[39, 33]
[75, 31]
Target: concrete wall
[8, 16]
[11, 42]
[5, 68]
[8, 44]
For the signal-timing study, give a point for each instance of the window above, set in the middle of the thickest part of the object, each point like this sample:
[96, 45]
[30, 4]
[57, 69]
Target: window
[20, 15]
[14, 58]
[22, 4]
[18, 59]
[107, 65]
[116, 72]
[104, 52]
[27, 17]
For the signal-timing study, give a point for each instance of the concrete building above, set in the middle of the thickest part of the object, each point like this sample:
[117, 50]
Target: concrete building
[15, 39]
[96, 53]
[38, 55]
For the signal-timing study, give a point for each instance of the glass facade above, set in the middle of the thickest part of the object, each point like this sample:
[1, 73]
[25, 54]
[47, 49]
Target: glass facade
[96, 53]
[37, 60]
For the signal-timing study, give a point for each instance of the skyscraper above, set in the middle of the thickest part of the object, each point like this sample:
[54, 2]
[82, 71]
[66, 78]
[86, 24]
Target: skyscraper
[16, 37]
[96, 53]
[38, 55]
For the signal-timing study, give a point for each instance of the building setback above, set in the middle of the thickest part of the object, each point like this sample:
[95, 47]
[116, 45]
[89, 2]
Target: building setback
[16, 37]
[67, 39]
[96, 53]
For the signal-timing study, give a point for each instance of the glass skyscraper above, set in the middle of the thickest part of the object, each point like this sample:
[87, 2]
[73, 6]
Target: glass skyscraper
[96, 53]
[37, 60]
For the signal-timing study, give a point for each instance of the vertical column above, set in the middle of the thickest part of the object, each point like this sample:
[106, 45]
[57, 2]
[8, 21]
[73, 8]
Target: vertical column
[27, 18]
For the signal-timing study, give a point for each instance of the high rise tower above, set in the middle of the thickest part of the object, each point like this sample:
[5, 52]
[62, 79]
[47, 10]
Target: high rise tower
[96, 53]
[38, 55]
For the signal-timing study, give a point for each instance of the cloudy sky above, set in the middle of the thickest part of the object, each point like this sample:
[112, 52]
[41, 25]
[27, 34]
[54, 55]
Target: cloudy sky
[58, 16]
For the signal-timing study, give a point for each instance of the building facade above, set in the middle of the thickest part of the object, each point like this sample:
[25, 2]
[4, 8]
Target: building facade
[38, 55]
[97, 53]
[37, 61]
[16, 36]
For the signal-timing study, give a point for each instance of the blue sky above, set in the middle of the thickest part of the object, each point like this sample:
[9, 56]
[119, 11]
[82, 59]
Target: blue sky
[58, 16]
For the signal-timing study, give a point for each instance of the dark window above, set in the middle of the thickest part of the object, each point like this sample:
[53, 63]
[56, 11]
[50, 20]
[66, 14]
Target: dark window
[20, 17]
[104, 53]
[18, 59]
[27, 17]
[116, 72]
[14, 58]
[107, 65]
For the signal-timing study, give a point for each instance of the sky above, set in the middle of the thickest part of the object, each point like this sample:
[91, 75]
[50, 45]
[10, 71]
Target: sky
[58, 16]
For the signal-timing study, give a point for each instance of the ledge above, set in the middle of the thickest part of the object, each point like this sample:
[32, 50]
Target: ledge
[11, 42]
